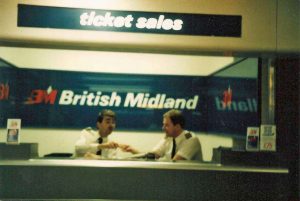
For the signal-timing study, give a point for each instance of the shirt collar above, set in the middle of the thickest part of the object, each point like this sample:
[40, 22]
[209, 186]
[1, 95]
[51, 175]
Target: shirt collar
[180, 137]
[105, 139]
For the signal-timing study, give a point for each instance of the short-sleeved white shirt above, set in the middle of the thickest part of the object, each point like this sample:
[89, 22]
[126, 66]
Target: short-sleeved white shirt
[88, 142]
[187, 146]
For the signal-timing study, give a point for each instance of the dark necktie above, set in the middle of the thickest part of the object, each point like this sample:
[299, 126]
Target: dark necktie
[173, 148]
[100, 140]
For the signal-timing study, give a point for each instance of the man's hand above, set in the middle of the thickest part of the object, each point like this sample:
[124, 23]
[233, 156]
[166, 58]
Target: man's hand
[127, 148]
[108, 145]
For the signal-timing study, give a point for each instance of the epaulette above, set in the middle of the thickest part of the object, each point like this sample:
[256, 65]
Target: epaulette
[88, 128]
[188, 135]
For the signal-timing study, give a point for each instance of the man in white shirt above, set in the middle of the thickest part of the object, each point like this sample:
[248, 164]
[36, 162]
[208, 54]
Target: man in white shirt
[95, 144]
[178, 144]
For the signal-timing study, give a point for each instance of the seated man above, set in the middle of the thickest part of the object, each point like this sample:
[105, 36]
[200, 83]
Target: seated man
[95, 145]
[178, 144]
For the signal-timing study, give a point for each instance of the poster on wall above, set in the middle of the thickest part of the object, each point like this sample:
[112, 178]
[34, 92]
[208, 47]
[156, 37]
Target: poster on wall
[252, 139]
[268, 138]
[13, 131]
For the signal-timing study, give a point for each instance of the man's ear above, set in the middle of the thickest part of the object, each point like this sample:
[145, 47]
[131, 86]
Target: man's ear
[98, 125]
[178, 127]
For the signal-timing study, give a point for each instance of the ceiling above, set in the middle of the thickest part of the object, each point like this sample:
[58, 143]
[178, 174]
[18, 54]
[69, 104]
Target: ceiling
[113, 62]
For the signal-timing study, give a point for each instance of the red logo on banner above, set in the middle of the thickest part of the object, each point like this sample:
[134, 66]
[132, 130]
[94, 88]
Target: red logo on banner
[39, 96]
[227, 97]
[4, 91]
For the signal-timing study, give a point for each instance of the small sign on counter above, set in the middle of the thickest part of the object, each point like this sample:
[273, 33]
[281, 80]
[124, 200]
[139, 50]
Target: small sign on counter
[268, 138]
[13, 131]
[252, 140]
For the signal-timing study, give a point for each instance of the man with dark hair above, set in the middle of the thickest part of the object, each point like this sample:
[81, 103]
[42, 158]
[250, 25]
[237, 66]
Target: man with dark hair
[92, 144]
[178, 144]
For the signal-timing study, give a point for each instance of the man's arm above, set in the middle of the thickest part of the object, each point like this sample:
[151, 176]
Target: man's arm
[91, 156]
[177, 157]
[160, 149]
[128, 148]
[81, 148]
[108, 145]
[189, 149]
[84, 145]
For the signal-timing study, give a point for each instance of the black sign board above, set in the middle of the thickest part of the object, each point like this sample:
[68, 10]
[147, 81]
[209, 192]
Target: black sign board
[129, 21]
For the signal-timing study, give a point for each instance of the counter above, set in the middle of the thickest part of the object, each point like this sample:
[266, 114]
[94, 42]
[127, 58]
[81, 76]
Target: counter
[139, 180]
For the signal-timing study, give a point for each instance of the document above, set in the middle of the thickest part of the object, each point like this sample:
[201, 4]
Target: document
[252, 140]
[268, 138]
[13, 131]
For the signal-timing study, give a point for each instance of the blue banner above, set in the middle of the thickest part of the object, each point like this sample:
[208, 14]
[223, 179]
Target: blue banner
[8, 91]
[71, 99]
[63, 99]
[231, 104]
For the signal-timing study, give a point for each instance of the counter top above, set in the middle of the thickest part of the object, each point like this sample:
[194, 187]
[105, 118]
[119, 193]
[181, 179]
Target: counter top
[75, 178]
[142, 164]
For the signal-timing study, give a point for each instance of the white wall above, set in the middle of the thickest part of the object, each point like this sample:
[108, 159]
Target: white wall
[51, 140]
[106, 62]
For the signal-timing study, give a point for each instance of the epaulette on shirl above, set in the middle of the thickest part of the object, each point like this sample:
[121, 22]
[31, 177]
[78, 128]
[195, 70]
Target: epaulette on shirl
[88, 128]
[188, 135]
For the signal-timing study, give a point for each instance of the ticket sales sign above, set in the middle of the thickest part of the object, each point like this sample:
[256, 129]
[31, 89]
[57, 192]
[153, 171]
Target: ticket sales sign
[129, 21]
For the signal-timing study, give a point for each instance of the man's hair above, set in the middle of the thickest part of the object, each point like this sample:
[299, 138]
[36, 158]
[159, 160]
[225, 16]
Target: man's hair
[176, 117]
[105, 112]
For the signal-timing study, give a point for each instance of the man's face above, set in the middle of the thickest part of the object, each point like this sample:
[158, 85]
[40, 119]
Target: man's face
[107, 125]
[168, 127]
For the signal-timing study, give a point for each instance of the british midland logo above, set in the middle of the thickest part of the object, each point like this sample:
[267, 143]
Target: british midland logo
[4, 91]
[40, 96]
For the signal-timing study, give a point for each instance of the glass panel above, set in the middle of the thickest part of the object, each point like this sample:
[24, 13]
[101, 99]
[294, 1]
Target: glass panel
[59, 95]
